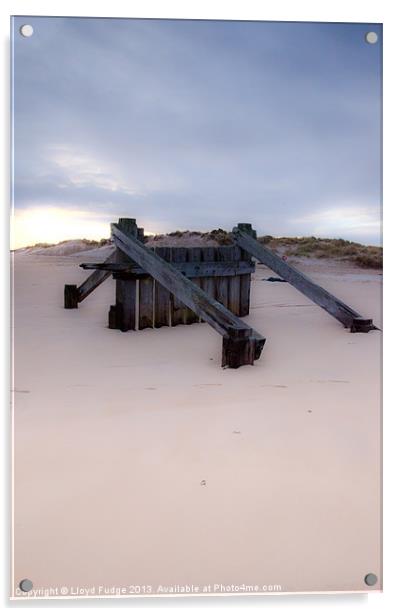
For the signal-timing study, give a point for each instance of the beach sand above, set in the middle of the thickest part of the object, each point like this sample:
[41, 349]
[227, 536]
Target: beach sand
[140, 462]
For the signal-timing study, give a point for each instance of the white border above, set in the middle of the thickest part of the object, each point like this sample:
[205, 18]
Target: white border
[289, 10]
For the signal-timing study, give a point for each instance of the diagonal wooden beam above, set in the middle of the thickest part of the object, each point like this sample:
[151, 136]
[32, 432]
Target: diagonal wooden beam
[95, 279]
[74, 294]
[244, 236]
[241, 344]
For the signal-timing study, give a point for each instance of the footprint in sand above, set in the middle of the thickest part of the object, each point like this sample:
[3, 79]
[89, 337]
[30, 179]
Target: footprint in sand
[207, 385]
[278, 386]
[330, 381]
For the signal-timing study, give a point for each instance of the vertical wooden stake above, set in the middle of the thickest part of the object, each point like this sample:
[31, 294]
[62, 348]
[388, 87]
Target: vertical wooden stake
[125, 306]
[209, 282]
[238, 348]
[162, 296]
[177, 308]
[194, 256]
[123, 315]
[235, 285]
[146, 302]
[71, 296]
[222, 282]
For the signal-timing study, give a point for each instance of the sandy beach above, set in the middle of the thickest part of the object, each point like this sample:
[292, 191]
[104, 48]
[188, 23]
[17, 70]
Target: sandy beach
[140, 462]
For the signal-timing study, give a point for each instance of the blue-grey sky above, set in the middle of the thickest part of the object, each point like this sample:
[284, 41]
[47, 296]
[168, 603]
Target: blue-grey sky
[196, 124]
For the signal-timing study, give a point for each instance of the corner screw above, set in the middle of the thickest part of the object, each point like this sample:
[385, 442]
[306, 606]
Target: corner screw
[25, 585]
[371, 579]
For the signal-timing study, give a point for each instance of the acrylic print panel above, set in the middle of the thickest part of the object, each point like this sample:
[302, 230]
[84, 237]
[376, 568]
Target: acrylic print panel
[196, 408]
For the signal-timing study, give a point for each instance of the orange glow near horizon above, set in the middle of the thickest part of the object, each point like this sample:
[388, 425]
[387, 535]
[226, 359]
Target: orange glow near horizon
[53, 225]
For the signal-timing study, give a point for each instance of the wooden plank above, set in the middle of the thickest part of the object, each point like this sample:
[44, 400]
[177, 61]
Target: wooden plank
[146, 302]
[193, 255]
[95, 279]
[245, 287]
[334, 306]
[214, 313]
[177, 308]
[210, 268]
[245, 295]
[208, 282]
[161, 294]
[235, 285]
[125, 304]
[222, 283]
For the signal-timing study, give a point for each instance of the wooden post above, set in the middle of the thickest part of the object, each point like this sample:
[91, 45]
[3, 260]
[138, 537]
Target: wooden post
[112, 319]
[123, 316]
[71, 296]
[238, 348]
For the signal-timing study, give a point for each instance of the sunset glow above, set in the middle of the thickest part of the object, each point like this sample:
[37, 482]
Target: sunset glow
[52, 225]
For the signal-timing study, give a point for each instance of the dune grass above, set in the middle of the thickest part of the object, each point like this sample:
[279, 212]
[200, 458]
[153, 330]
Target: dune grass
[323, 248]
[310, 247]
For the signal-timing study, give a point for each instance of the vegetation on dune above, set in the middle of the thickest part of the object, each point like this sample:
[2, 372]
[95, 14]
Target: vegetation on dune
[310, 247]
[41, 245]
[322, 248]
[220, 236]
[88, 243]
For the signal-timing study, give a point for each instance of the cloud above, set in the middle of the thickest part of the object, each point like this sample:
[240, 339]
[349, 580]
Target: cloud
[82, 170]
[343, 220]
[198, 124]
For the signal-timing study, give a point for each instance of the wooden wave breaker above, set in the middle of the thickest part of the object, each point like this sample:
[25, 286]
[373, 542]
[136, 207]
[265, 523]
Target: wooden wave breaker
[168, 286]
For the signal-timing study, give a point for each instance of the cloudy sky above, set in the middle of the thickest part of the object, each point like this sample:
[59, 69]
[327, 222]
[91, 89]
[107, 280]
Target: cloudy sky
[195, 125]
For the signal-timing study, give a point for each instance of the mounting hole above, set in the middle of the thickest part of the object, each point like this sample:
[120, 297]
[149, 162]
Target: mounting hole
[371, 579]
[371, 38]
[25, 585]
[26, 30]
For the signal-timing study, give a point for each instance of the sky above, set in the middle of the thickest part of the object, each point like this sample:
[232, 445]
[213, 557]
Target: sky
[195, 125]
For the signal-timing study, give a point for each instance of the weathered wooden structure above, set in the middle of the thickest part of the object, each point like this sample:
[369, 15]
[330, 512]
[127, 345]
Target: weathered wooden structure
[169, 286]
